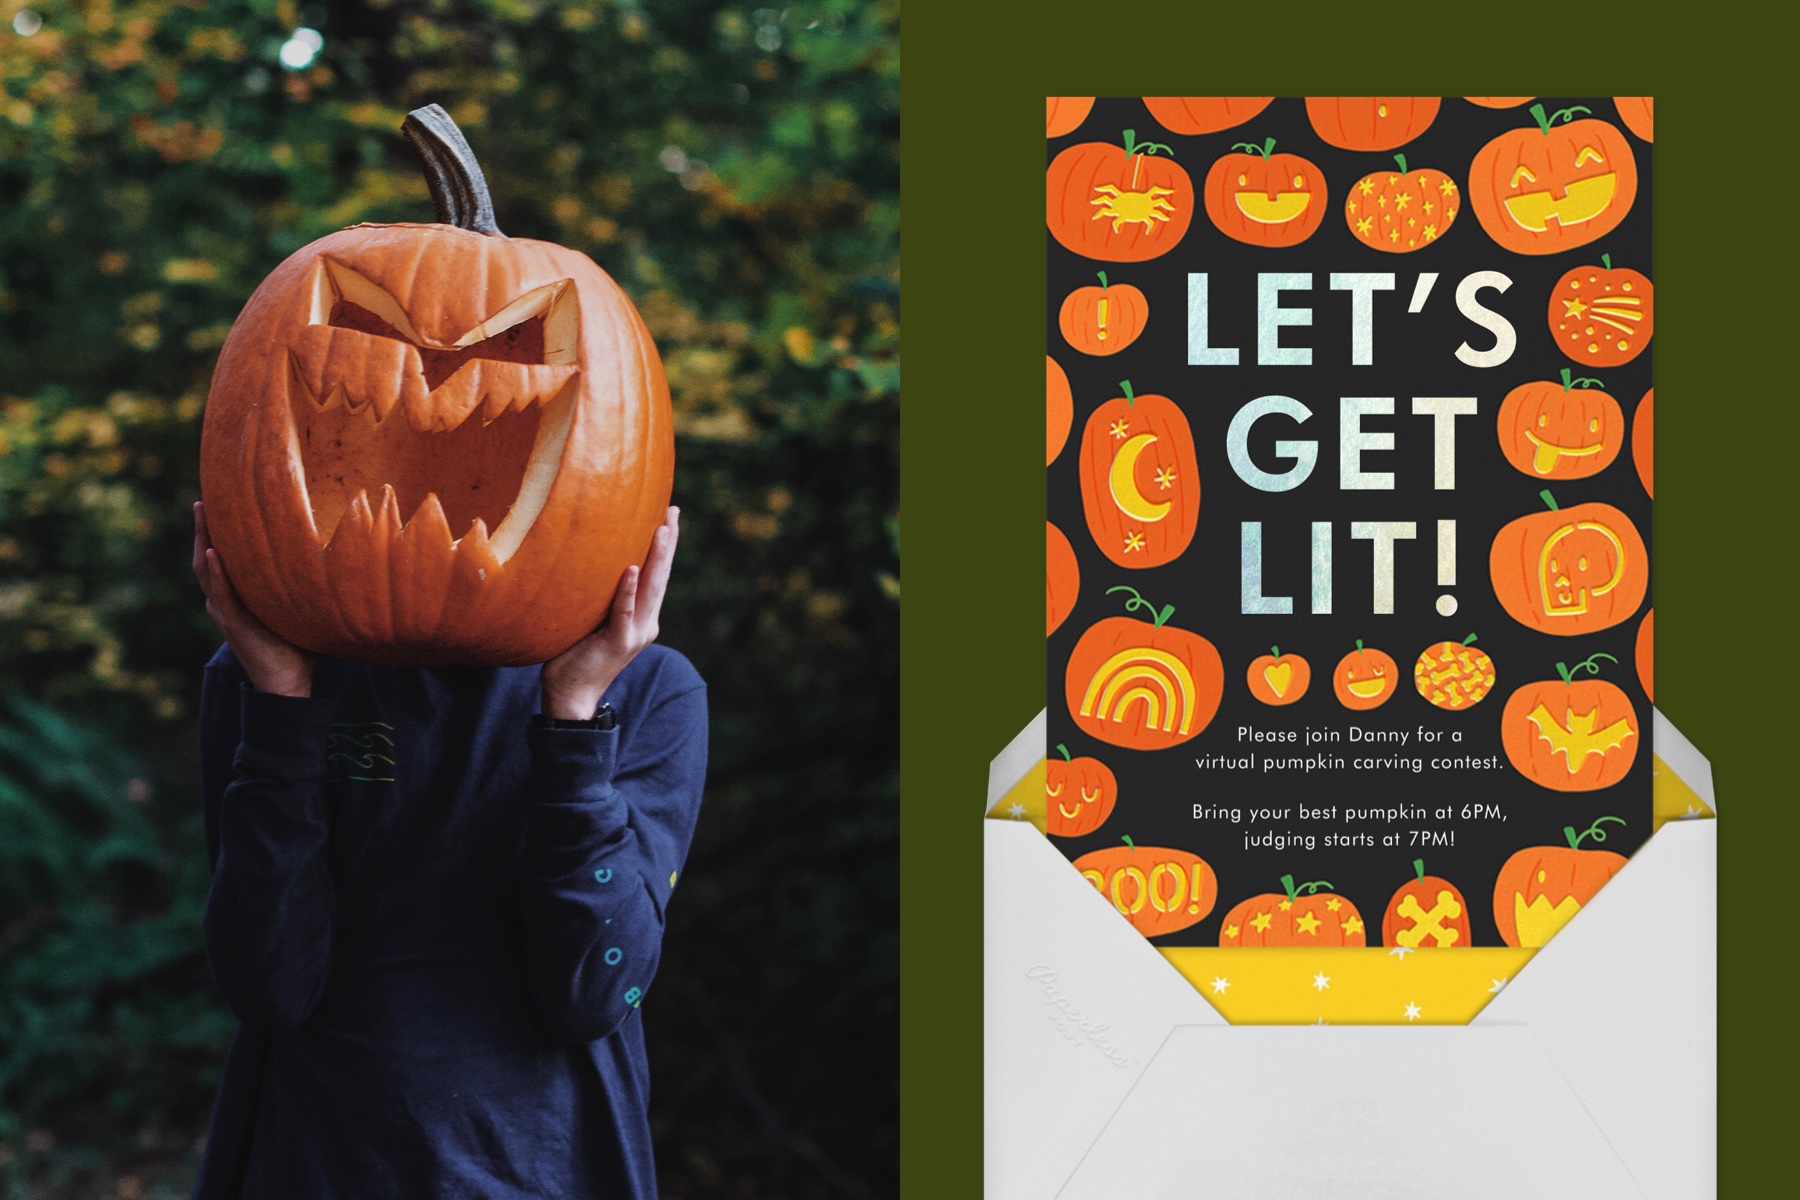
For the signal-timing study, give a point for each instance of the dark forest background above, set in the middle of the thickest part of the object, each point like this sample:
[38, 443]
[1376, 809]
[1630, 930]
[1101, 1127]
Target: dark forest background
[737, 169]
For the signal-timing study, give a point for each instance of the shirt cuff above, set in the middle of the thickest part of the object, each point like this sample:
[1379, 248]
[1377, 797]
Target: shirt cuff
[290, 733]
[572, 766]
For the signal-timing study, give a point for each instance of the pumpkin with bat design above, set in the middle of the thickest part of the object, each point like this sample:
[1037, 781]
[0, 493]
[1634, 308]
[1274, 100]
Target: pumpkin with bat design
[1276, 678]
[1643, 442]
[1639, 115]
[1064, 114]
[1191, 115]
[432, 443]
[1143, 685]
[1371, 122]
[1454, 676]
[1602, 315]
[1402, 211]
[1645, 654]
[1426, 911]
[1570, 571]
[1140, 479]
[1157, 889]
[1541, 888]
[1312, 920]
[1256, 196]
[1118, 204]
[1571, 735]
[1062, 578]
[1059, 409]
[1103, 320]
[1561, 431]
[1079, 794]
[1553, 187]
[1365, 678]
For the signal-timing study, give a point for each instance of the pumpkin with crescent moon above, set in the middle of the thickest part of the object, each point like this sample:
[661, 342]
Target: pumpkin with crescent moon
[1140, 479]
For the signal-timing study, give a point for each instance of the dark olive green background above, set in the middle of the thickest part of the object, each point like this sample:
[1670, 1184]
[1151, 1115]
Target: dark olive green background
[973, 664]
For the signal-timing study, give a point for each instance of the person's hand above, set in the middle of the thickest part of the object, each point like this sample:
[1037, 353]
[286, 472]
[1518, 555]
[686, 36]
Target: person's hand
[575, 680]
[272, 664]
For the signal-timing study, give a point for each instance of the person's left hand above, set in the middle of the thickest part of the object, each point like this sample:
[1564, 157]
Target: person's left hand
[575, 681]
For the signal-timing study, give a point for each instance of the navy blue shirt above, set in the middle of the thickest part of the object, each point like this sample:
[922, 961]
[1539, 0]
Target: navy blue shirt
[436, 923]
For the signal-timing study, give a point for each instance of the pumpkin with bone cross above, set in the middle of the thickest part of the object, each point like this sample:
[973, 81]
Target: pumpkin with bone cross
[433, 443]
[1426, 911]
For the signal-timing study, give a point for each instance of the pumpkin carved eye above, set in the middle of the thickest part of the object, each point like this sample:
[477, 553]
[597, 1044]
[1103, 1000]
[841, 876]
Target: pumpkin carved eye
[1525, 174]
[1594, 425]
[1299, 181]
[1588, 154]
[1243, 180]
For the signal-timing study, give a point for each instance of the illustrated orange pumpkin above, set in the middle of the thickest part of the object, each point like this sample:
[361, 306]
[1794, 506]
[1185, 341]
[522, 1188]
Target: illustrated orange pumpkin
[1569, 735]
[1554, 187]
[1118, 205]
[1262, 198]
[1498, 101]
[1157, 889]
[1639, 115]
[1203, 114]
[1059, 409]
[1646, 654]
[1402, 211]
[1570, 571]
[1062, 578]
[1561, 431]
[1079, 794]
[1276, 678]
[1370, 122]
[1426, 911]
[1541, 888]
[1143, 685]
[433, 443]
[1312, 920]
[1454, 676]
[1365, 679]
[1064, 114]
[1140, 479]
[1643, 442]
[1105, 319]
[1602, 316]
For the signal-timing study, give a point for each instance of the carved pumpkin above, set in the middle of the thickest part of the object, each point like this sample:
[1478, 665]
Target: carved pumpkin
[1602, 317]
[1571, 736]
[1454, 675]
[1365, 679]
[1541, 888]
[1643, 442]
[1311, 920]
[432, 443]
[1062, 578]
[1639, 115]
[1426, 911]
[1140, 480]
[1371, 122]
[1079, 794]
[1059, 409]
[1570, 571]
[1262, 198]
[1646, 654]
[1118, 205]
[1203, 114]
[1064, 114]
[1401, 211]
[1276, 678]
[1105, 319]
[1561, 431]
[1554, 187]
[1498, 101]
[1143, 685]
[1157, 889]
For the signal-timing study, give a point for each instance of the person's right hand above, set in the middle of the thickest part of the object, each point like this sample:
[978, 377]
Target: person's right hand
[272, 664]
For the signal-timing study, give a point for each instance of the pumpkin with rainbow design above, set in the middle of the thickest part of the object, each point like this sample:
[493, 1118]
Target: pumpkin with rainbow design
[1143, 685]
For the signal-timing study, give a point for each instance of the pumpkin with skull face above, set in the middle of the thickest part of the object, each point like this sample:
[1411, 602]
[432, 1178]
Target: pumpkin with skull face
[1570, 571]
[432, 443]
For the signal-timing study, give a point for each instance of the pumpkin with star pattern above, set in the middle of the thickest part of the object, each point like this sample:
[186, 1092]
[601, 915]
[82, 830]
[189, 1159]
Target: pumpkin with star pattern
[1319, 918]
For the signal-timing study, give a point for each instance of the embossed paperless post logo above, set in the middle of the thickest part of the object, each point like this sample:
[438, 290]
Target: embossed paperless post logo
[1071, 1021]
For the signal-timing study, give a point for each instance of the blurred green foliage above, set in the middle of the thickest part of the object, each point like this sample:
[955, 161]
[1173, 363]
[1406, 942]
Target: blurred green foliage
[737, 169]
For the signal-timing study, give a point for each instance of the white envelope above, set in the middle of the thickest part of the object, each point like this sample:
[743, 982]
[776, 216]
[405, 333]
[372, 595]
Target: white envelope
[1590, 1076]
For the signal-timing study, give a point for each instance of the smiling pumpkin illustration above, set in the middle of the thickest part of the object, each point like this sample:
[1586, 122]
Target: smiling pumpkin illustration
[1566, 430]
[1554, 187]
[432, 443]
[1262, 198]
[1364, 678]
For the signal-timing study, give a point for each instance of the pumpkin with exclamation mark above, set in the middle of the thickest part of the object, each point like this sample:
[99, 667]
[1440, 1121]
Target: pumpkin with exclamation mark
[1103, 320]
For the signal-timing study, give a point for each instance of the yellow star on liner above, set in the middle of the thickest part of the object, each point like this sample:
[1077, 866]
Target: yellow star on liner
[1261, 921]
[1307, 923]
[1367, 187]
[1133, 540]
[1120, 429]
[1413, 1013]
[1362, 226]
[1448, 187]
[1165, 477]
[1574, 308]
[1231, 931]
[1353, 925]
[1220, 983]
[1334, 904]
[1285, 905]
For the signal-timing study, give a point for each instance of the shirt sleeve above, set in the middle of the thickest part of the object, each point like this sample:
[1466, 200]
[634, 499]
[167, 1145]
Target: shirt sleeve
[604, 845]
[270, 909]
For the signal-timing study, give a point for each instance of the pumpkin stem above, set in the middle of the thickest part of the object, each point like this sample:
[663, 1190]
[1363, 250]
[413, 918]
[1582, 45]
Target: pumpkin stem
[1127, 840]
[1064, 751]
[1104, 285]
[1133, 147]
[1275, 651]
[1401, 159]
[1359, 645]
[1266, 149]
[1592, 831]
[1587, 664]
[1584, 381]
[1469, 641]
[1130, 396]
[459, 191]
[1606, 261]
[1537, 114]
[1136, 602]
[1313, 888]
[1563, 670]
[1419, 866]
[1548, 499]
[1287, 881]
[1565, 115]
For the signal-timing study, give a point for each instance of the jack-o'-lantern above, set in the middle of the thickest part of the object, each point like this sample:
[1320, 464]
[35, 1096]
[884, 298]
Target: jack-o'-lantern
[1402, 211]
[1554, 187]
[1292, 919]
[432, 443]
[1118, 205]
[1498, 101]
[1602, 316]
[1364, 678]
[1371, 122]
[1064, 114]
[1079, 794]
[1276, 678]
[1140, 479]
[1569, 735]
[1203, 114]
[1639, 115]
[1059, 409]
[1062, 578]
[1570, 571]
[1646, 654]
[1143, 685]
[1454, 676]
[1262, 198]
[1643, 442]
[1426, 911]
[1561, 431]
[1103, 320]
[1157, 889]
[1541, 888]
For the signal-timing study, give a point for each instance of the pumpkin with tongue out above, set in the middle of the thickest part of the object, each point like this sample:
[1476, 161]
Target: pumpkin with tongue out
[433, 443]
